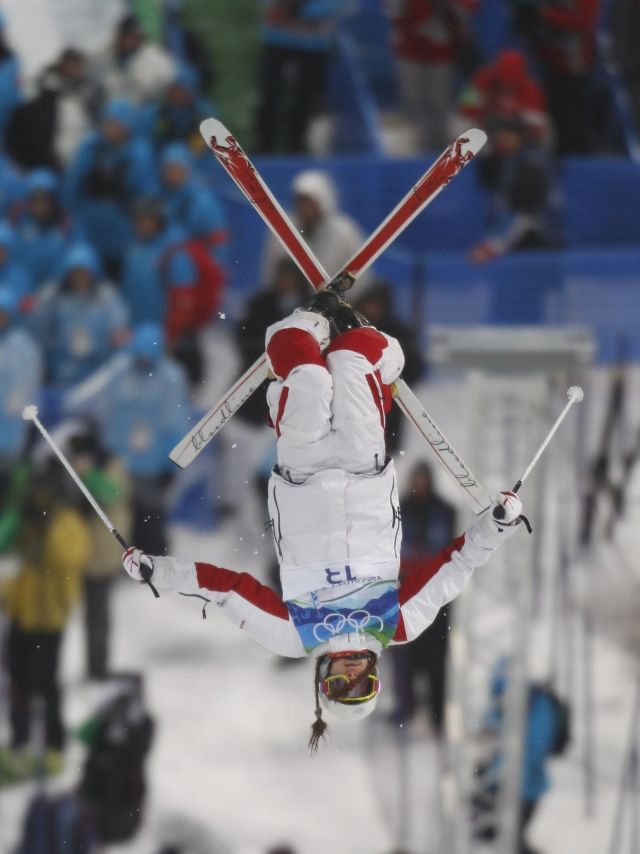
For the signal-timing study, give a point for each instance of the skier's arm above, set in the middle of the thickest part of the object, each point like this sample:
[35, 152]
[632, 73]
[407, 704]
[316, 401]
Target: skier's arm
[248, 604]
[441, 578]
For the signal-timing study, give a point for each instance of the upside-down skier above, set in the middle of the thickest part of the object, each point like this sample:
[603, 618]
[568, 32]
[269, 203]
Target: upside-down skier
[335, 518]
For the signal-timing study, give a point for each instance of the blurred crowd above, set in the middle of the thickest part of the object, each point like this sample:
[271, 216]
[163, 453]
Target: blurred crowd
[113, 265]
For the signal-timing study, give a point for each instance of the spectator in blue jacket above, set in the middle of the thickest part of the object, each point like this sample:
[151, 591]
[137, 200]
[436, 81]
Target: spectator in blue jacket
[154, 264]
[113, 166]
[190, 204]
[41, 226]
[10, 95]
[541, 733]
[12, 273]
[140, 401]
[296, 43]
[80, 319]
[20, 375]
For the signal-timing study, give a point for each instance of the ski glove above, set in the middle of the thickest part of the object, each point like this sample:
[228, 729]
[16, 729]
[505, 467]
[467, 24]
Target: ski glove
[133, 559]
[165, 570]
[511, 507]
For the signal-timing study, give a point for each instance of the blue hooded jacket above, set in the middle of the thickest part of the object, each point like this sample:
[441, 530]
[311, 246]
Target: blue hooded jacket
[141, 403]
[40, 248]
[79, 331]
[20, 376]
[150, 271]
[12, 274]
[103, 179]
[193, 207]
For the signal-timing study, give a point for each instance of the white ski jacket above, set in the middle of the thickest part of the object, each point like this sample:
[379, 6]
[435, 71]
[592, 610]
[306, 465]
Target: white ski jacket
[333, 521]
[349, 613]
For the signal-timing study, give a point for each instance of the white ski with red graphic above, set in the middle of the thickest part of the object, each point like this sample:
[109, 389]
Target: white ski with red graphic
[236, 163]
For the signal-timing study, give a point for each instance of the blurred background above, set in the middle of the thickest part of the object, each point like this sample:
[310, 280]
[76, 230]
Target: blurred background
[136, 283]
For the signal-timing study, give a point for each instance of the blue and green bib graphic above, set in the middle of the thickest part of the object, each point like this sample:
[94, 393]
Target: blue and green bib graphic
[372, 607]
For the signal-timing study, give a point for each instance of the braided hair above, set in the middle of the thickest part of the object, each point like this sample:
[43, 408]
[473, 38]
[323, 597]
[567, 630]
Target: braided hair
[320, 726]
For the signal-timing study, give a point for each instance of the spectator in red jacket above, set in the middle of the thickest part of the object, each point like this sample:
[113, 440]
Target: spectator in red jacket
[505, 87]
[427, 40]
[563, 35]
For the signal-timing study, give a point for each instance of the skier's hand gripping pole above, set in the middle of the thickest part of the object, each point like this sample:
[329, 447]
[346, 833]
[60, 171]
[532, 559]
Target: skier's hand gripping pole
[30, 413]
[575, 395]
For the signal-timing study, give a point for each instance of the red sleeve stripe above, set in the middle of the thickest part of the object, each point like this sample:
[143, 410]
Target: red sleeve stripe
[401, 633]
[424, 571]
[376, 393]
[284, 396]
[222, 580]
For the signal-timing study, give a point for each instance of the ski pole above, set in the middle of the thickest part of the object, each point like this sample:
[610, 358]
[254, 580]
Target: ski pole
[30, 413]
[575, 395]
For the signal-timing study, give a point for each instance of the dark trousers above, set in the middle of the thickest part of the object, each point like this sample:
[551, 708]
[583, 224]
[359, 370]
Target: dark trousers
[570, 100]
[425, 657]
[33, 672]
[97, 592]
[148, 508]
[527, 809]
[291, 85]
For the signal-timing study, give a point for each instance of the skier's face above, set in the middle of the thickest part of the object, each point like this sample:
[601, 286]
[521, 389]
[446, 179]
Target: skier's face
[351, 667]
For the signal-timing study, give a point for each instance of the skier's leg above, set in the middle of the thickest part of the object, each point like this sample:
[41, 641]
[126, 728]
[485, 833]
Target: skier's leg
[363, 363]
[300, 399]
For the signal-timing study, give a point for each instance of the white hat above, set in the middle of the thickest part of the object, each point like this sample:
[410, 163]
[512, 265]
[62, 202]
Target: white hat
[318, 186]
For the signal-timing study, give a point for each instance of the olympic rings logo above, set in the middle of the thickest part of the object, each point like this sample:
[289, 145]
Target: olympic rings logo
[357, 621]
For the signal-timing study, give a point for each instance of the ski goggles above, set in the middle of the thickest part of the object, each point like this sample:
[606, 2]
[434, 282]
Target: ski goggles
[331, 684]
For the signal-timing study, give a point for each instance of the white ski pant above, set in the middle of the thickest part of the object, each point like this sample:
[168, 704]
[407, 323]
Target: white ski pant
[333, 502]
[329, 409]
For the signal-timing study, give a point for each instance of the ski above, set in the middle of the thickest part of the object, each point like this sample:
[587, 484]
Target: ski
[233, 159]
[476, 496]
[235, 162]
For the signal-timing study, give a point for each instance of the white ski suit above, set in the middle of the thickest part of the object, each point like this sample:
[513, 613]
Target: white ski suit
[334, 509]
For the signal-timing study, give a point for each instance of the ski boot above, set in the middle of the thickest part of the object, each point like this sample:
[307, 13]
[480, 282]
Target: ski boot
[338, 312]
[326, 302]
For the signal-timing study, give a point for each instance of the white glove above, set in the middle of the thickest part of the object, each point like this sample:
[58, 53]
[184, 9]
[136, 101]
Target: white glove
[133, 559]
[507, 509]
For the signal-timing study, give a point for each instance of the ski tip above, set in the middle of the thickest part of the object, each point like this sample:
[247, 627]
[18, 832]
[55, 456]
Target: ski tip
[474, 139]
[213, 127]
